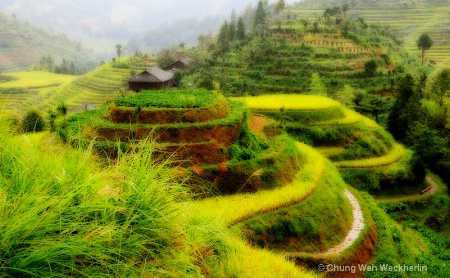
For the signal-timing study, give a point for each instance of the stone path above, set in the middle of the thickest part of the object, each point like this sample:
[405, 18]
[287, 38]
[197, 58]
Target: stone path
[353, 234]
[355, 231]
[433, 189]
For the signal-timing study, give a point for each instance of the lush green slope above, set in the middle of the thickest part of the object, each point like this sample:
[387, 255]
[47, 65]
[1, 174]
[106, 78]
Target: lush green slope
[408, 22]
[22, 90]
[314, 59]
[98, 87]
[22, 44]
[371, 5]
[367, 155]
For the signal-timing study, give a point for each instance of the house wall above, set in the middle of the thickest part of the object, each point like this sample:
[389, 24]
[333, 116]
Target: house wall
[138, 86]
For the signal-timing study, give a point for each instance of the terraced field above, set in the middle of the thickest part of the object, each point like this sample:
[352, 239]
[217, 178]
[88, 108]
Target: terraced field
[23, 90]
[409, 24]
[296, 60]
[98, 87]
[367, 156]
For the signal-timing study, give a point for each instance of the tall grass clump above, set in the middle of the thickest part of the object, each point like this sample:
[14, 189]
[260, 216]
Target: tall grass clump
[63, 215]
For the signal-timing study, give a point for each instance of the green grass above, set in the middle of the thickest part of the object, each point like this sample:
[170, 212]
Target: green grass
[409, 244]
[62, 213]
[430, 210]
[400, 178]
[300, 228]
[169, 99]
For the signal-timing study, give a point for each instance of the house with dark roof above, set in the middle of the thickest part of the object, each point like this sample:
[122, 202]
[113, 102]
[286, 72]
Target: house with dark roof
[151, 79]
[180, 64]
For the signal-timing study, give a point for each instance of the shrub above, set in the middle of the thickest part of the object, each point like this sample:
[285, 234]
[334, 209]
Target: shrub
[370, 68]
[33, 122]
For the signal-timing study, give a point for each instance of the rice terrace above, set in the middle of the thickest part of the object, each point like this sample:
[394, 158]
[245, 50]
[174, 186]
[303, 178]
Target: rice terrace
[298, 139]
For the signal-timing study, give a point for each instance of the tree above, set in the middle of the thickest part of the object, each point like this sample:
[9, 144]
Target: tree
[424, 43]
[177, 76]
[260, 16]
[232, 29]
[441, 84]
[370, 68]
[336, 11]
[233, 25]
[52, 117]
[33, 122]
[429, 144]
[279, 9]
[119, 51]
[397, 121]
[373, 104]
[165, 57]
[223, 41]
[346, 96]
[345, 9]
[317, 86]
[240, 32]
[62, 110]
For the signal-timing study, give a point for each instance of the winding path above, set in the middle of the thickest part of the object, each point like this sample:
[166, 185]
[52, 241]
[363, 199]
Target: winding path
[349, 240]
[433, 189]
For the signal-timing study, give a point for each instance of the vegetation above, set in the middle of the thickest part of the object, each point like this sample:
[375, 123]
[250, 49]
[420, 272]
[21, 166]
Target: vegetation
[169, 99]
[318, 232]
[241, 192]
[424, 43]
[23, 44]
[33, 122]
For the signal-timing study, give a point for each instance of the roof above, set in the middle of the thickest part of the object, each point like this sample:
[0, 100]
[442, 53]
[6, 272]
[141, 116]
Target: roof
[185, 60]
[84, 106]
[152, 75]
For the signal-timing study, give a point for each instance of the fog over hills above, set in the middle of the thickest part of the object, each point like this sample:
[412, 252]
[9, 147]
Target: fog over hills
[99, 24]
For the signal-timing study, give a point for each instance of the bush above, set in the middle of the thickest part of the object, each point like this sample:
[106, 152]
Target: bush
[33, 122]
[370, 68]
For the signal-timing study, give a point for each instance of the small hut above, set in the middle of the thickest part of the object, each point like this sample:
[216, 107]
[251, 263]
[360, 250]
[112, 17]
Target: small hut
[83, 107]
[181, 64]
[151, 79]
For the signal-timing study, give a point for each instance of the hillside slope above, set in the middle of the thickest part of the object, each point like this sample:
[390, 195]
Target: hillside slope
[408, 19]
[22, 44]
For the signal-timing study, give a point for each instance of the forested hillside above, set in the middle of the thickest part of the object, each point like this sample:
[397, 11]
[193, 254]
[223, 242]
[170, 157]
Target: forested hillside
[372, 4]
[408, 19]
[22, 44]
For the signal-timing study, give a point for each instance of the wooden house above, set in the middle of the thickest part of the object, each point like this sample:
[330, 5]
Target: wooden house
[151, 79]
[181, 64]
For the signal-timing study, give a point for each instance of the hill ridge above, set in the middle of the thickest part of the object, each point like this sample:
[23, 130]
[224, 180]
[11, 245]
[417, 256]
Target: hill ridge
[23, 44]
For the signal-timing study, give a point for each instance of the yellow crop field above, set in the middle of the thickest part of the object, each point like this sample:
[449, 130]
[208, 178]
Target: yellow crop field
[235, 208]
[289, 102]
[36, 79]
[350, 117]
[397, 152]
[250, 262]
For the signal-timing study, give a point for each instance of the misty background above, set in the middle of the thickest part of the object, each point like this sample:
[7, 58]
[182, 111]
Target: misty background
[145, 24]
